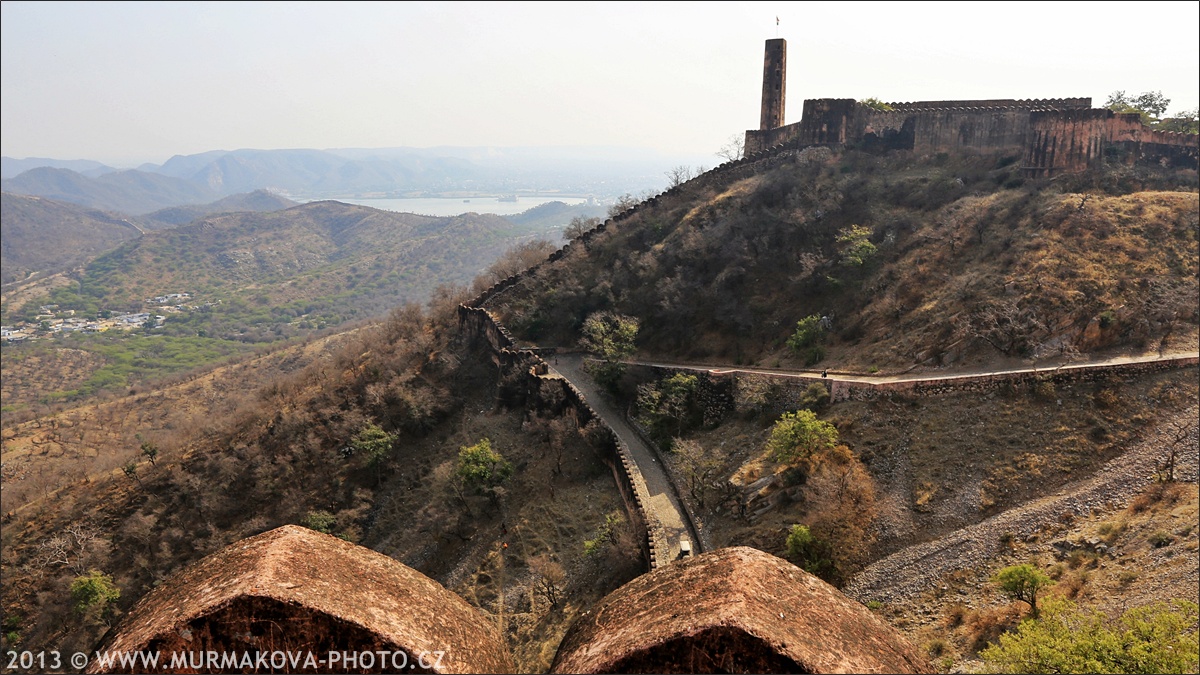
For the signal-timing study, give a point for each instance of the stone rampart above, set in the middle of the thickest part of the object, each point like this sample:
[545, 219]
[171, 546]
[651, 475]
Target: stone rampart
[776, 393]
[866, 391]
[1053, 135]
[525, 381]
[1074, 140]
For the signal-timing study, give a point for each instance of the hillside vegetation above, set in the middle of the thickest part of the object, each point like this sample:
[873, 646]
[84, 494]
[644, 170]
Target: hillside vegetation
[322, 263]
[864, 264]
[243, 459]
[377, 435]
[257, 201]
[253, 278]
[44, 236]
[929, 263]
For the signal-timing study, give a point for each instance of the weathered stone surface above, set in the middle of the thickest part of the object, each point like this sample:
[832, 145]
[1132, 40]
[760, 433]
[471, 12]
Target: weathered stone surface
[1053, 136]
[733, 610]
[774, 90]
[296, 590]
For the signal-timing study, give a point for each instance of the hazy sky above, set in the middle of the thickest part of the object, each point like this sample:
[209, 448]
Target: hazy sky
[124, 83]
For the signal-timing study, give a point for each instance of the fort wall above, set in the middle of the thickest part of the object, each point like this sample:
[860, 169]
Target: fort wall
[776, 393]
[1052, 135]
[863, 391]
[525, 381]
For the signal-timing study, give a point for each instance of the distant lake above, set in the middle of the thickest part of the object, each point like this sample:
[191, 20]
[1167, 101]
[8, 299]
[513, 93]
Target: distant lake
[442, 206]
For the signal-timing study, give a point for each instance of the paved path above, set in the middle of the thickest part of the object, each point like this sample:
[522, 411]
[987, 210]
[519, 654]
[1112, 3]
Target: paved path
[664, 503]
[915, 377]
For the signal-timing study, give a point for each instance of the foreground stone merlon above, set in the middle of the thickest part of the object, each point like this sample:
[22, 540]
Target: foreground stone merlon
[733, 610]
[296, 590]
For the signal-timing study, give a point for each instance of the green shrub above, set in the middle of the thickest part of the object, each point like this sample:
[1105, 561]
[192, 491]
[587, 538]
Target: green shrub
[875, 104]
[815, 355]
[856, 246]
[93, 591]
[321, 521]
[1160, 539]
[608, 533]
[814, 397]
[481, 467]
[808, 331]
[1160, 638]
[809, 552]
[1022, 582]
[798, 436]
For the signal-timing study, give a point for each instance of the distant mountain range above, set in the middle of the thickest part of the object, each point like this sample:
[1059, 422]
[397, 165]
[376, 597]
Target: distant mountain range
[395, 172]
[42, 235]
[262, 276]
[10, 168]
[133, 192]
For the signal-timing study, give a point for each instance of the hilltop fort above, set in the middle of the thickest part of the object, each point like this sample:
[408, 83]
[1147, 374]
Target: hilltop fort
[1051, 136]
[726, 609]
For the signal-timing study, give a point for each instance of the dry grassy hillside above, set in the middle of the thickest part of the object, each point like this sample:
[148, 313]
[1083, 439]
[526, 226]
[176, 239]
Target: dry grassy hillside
[44, 236]
[916, 264]
[938, 265]
[279, 439]
[928, 263]
[95, 438]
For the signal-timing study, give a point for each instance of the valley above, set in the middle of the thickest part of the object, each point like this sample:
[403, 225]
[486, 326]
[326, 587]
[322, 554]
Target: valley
[934, 462]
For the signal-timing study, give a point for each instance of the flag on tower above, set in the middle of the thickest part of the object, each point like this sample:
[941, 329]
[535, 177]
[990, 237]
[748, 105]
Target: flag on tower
[776, 21]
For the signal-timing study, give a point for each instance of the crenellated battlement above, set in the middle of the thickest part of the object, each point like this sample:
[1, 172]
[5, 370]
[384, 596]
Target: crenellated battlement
[999, 103]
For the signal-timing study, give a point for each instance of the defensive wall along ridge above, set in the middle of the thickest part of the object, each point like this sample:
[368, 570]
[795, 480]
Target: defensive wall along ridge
[527, 380]
[480, 323]
[724, 384]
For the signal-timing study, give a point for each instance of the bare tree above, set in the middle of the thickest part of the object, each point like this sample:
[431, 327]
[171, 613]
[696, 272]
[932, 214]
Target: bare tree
[697, 465]
[1006, 326]
[679, 175]
[1180, 436]
[71, 548]
[578, 227]
[520, 258]
[623, 204]
[733, 148]
[551, 578]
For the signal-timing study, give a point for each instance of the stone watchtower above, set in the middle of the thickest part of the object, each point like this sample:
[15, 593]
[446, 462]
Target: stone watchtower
[774, 84]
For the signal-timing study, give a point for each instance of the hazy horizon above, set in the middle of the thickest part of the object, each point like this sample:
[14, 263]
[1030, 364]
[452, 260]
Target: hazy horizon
[130, 83]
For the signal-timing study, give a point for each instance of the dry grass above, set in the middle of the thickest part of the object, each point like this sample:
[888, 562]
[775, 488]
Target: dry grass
[968, 613]
[984, 626]
[94, 438]
[254, 457]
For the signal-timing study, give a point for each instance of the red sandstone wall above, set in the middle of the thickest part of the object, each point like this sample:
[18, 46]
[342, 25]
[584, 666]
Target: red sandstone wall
[758, 141]
[1055, 135]
[1069, 140]
[1074, 140]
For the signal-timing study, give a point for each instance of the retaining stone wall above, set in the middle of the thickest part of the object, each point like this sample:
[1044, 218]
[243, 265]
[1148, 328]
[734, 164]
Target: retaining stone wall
[865, 391]
[525, 381]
